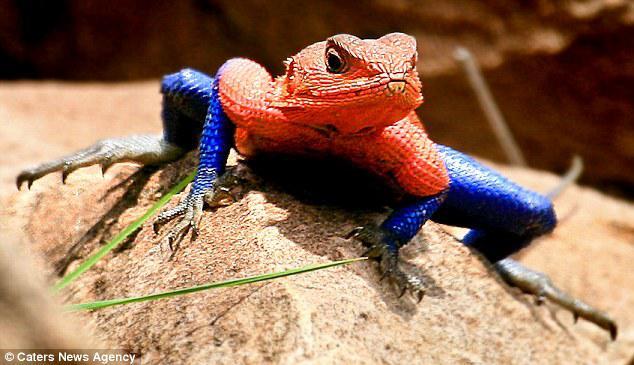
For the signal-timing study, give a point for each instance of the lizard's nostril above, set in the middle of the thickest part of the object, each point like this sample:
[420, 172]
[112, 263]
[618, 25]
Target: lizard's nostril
[396, 86]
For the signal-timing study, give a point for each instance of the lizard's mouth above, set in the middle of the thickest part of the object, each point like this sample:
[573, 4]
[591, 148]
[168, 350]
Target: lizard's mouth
[406, 91]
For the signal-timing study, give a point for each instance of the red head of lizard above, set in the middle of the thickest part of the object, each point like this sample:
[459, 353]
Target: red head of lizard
[344, 84]
[345, 97]
[351, 84]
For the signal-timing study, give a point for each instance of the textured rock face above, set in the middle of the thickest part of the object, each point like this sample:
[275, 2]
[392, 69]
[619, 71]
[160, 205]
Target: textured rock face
[562, 71]
[340, 315]
[337, 315]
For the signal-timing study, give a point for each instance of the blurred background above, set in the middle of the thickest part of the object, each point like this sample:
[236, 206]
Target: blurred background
[562, 71]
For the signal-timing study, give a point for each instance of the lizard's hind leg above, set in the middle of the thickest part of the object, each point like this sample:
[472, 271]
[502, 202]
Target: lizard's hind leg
[505, 217]
[144, 149]
[186, 97]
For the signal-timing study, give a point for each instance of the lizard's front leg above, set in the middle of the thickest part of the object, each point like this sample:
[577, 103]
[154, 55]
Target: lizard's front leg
[404, 155]
[236, 98]
[385, 241]
[215, 143]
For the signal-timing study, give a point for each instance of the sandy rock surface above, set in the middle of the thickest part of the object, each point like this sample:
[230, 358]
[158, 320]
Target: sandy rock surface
[337, 315]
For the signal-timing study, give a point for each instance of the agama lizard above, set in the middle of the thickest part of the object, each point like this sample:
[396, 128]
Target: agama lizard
[353, 100]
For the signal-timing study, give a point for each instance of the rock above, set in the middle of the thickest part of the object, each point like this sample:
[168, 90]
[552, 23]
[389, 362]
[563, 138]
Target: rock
[342, 314]
[339, 315]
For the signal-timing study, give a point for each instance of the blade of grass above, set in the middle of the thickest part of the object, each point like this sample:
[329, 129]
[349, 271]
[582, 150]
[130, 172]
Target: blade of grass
[70, 277]
[222, 284]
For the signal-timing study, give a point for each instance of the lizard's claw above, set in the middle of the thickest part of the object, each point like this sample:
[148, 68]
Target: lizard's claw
[191, 209]
[538, 284]
[383, 248]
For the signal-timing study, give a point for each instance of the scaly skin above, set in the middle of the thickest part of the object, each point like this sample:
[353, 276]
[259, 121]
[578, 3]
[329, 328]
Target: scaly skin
[364, 115]
[354, 100]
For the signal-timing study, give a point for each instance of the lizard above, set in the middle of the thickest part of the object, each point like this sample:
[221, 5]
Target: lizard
[352, 100]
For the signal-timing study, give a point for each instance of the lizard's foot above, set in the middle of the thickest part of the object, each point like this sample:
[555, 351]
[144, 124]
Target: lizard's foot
[538, 284]
[144, 149]
[384, 248]
[191, 208]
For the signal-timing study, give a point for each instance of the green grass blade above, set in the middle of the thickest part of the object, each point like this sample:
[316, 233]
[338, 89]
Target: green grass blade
[222, 284]
[70, 277]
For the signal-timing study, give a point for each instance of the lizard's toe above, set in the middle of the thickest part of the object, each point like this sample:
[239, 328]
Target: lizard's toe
[540, 285]
[404, 281]
[168, 215]
[191, 211]
[25, 176]
[381, 247]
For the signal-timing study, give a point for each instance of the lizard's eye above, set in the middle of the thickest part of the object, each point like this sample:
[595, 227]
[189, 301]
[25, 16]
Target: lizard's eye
[334, 62]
